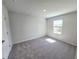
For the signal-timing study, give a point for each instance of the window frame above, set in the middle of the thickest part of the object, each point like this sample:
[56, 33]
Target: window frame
[58, 26]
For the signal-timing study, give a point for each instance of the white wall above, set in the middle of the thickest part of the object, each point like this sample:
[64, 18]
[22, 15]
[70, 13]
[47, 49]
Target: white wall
[26, 27]
[69, 28]
[5, 11]
[7, 45]
[76, 55]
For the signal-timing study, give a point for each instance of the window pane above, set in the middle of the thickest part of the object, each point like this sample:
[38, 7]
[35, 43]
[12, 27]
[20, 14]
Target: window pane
[57, 26]
[58, 23]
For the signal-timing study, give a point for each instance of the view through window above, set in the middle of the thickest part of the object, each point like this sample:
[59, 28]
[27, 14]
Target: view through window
[57, 26]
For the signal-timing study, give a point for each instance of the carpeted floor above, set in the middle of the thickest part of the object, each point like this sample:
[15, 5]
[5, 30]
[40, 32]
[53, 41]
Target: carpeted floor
[42, 49]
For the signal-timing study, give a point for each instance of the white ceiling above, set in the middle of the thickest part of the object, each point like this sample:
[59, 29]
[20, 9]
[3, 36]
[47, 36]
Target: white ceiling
[35, 7]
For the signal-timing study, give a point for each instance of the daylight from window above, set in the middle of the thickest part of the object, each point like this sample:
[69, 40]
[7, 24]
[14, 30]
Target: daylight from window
[57, 26]
[50, 40]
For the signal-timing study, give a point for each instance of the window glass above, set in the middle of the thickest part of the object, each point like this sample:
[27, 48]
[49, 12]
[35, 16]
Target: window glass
[57, 26]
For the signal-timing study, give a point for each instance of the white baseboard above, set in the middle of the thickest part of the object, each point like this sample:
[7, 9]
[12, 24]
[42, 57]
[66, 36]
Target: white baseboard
[30, 38]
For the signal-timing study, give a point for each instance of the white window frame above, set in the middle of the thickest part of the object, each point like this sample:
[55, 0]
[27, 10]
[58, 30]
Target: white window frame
[58, 26]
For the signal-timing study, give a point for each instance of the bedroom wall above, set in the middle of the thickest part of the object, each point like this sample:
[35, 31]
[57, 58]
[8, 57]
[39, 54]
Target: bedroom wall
[26, 27]
[69, 34]
[6, 33]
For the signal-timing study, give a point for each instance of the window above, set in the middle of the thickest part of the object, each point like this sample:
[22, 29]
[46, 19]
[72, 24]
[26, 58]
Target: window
[57, 26]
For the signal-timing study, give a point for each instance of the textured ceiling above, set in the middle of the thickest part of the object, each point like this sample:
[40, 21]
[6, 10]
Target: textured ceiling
[35, 7]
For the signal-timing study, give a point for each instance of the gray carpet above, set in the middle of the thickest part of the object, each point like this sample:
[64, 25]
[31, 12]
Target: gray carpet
[42, 49]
